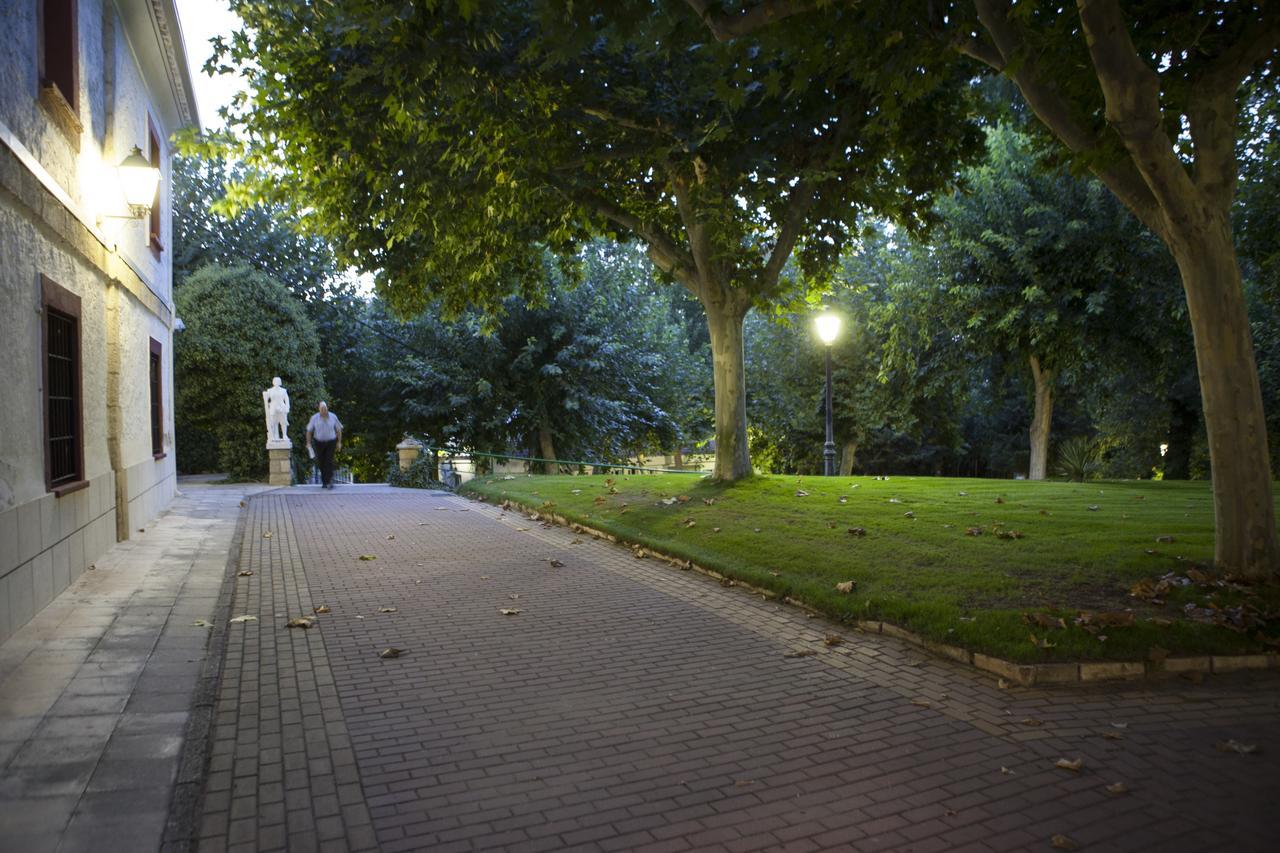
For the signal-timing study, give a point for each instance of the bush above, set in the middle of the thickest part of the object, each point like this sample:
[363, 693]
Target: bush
[242, 328]
[1079, 459]
[418, 475]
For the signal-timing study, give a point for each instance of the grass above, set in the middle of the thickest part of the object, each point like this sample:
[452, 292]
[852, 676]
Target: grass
[1083, 546]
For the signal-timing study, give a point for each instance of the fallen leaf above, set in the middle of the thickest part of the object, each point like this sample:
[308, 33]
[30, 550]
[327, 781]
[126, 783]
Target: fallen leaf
[845, 587]
[1008, 534]
[1032, 721]
[908, 514]
[684, 499]
[832, 639]
[800, 653]
[1007, 772]
[708, 501]
[367, 557]
[515, 596]
[1119, 725]
[202, 623]
[1237, 747]
[555, 564]
[950, 812]
[387, 609]
[963, 494]
[923, 703]
[1044, 620]
[1165, 540]
[715, 530]
[1093, 507]
[323, 608]
[1069, 764]
[842, 499]
[775, 574]
[1113, 736]
[267, 535]
[1045, 512]
[1117, 788]
[245, 618]
[742, 783]
[801, 493]
[1061, 842]
[689, 522]
[390, 653]
[999, 500]
[1003, 684]
[894, 501]
[1106, 619]
[484, 577]
[973, 531]
[242, 503]
[510, 611]
[441, 509]
[853, 531]
[244, 574]
[575, 541]
[300, 622]
[390, 536]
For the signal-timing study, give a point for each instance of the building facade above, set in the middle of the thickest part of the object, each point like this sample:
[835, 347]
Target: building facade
[86, 295]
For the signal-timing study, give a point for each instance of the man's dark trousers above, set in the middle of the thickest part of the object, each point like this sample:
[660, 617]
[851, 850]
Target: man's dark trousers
[324, 458]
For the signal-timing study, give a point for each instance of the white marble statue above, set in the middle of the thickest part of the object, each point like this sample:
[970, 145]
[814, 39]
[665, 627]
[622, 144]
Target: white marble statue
[276, 402]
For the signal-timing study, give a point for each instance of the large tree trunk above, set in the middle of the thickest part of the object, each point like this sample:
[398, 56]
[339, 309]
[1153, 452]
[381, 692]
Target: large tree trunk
[847, 457]
[546, 449]
[725, 312]
[1041, 420]
[1244, 511]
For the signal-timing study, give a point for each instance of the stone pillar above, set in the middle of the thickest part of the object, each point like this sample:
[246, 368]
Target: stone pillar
[279, 468]
[408, 451]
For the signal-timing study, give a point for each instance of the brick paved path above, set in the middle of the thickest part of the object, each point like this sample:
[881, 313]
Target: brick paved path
[630, 705]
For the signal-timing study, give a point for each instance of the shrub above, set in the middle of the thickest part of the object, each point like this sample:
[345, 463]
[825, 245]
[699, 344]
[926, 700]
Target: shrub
[1079, 459]
[418, 475]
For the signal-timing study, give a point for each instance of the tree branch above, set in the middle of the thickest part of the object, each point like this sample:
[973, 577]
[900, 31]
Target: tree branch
[727, 27]
[1211, 112]
[1131, 90]
[1055, 112]
[665, 252]
[699, 241]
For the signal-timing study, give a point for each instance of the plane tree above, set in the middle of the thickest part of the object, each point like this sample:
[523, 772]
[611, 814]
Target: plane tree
[1147, 96]
[446, 146]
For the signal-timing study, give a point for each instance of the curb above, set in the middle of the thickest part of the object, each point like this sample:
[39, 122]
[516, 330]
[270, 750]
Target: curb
[1022, 674]
[181, 831]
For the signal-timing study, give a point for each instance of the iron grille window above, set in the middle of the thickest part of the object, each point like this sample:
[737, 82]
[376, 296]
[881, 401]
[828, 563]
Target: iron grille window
[63, 392]
[157, 407]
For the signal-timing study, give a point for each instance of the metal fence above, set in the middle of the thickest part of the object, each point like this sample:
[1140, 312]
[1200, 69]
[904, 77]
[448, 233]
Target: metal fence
[457, 466]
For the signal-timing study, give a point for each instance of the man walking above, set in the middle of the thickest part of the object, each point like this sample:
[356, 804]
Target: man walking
[324, 434]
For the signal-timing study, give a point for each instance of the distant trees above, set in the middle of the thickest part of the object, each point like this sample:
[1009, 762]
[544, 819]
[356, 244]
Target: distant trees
[242, 328]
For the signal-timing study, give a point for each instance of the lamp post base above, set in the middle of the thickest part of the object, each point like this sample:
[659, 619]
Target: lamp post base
[829, 459]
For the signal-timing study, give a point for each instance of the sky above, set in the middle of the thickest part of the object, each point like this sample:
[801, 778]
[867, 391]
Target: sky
[202, 20]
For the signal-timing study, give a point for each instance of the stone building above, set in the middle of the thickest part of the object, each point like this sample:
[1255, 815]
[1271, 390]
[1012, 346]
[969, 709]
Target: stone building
[86, 297]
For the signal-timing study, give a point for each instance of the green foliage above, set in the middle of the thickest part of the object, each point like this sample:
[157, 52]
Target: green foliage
[600, 366]
[242, 328]
[419, 475]
[1079, 458]
[924, 572]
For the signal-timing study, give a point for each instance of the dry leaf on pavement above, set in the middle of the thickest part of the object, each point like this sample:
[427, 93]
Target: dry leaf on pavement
[386, 610]
[510, 611]
[1061, 842]
[1032, 721]
[1007, 772]
[367, 557]
[1236, 746]
[800, 653]
[323, 608]
[201, 623]
[300, 622]
[390, 536]
[245, 618]
[1118, 788]
[267, 535]
[246, 573]
[555, 564]
[1070, 764]
[390, 653]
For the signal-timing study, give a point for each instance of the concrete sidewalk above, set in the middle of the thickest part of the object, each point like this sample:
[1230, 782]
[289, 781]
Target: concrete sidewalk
[96, 692]
[631, 706]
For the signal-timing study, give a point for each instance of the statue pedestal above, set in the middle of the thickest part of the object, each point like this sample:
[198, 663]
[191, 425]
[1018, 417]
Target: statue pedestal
[279, 469]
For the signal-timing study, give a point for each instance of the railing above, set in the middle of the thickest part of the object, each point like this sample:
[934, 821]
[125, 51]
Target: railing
[340, 475]
[457, 466]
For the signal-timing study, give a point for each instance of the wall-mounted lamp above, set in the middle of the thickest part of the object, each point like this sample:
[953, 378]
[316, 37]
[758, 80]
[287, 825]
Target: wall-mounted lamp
[138, 179]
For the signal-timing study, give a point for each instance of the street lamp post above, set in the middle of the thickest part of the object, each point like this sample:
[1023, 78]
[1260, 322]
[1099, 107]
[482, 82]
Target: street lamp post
[828, 327]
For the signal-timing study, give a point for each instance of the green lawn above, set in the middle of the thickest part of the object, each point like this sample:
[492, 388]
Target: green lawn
[1082, 548]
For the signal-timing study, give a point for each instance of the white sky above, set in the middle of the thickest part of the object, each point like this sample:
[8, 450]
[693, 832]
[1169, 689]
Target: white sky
[202, 20]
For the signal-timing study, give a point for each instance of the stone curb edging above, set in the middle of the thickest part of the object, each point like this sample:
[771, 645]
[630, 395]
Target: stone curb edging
[182, 828]
[1023, 674]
